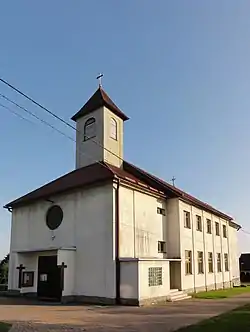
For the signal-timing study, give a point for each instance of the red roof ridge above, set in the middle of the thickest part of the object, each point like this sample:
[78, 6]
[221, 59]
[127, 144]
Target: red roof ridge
[98, 99]
[180, 193]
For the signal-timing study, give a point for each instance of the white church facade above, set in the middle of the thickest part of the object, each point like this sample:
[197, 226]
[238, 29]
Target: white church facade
[109, 232]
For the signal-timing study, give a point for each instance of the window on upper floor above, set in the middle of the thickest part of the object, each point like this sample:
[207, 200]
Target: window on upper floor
[113, 128]
[218, 262]
[226, 262]
[162, 246]
[161, 211]
[210, 262]
[187, 221]
[200, 262]
[188, 261]
[89, 129]
[198, 224]
[209, 226]
[224, 231]
[217, 229]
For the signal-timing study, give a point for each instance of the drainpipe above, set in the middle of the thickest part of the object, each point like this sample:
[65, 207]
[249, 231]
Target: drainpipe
[205, 249]
[229, 256]
[193, 260]
[214, 253]
[117, 243]
[222, 255]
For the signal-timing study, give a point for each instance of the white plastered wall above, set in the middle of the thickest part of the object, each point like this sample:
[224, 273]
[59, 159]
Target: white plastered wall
[202, 241]
[87, 225]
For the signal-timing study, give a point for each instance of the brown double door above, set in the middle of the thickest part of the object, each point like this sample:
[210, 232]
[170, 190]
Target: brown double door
[49, 279]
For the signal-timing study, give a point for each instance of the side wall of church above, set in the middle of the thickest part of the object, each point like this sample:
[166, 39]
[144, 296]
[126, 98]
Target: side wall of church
[200, 240]
[141, 227]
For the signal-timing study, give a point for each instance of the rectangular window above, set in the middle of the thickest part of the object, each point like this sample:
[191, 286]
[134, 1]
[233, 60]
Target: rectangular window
[226, 262]
[210, 262]
[218, 262]
[198, 224]
[209, 226]
[162, 246]
[224, 231]
[200, 262]
[154, 276]
[217, 228]
[188, 261]
[161, 211]
[187, 221]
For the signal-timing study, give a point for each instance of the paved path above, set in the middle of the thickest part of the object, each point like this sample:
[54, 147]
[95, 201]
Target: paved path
[30, 316]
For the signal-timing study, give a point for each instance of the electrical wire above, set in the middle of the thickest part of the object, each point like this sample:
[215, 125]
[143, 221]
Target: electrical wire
[15, 113]
[54, 115]
[89, 156]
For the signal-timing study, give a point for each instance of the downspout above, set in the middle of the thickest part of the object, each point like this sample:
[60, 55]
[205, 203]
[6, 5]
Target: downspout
[117, 244]
[222, 255]
[205, 249]
[214, 253]
[193, 260]
[229, 256]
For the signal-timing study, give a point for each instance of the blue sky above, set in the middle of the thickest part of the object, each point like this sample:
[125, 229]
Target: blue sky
[179, 69]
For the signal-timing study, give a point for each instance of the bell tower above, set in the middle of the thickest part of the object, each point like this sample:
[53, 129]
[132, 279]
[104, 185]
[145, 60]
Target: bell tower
[99, 136]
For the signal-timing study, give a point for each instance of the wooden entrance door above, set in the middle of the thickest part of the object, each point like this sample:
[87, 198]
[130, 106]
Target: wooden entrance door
[49, 278]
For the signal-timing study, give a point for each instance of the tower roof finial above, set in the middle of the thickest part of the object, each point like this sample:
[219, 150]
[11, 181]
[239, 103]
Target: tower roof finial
[99, 77]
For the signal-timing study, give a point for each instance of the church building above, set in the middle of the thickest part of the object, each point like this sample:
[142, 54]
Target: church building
[110, 232]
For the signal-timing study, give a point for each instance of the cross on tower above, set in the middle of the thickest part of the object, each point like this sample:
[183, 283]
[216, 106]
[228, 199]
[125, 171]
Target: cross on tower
[20, 277]
[62, 267]
[99, 77]
[173, 180]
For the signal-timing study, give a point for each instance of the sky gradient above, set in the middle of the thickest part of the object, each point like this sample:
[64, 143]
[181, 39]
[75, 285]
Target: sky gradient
[179, 69]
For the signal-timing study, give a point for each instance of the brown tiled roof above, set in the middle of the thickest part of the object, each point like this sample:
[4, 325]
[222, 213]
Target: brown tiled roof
[100, 172]
[99, 99]
[79, 178]
[170, 190]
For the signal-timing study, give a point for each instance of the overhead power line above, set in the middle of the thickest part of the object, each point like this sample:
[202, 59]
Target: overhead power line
[15, 113]
[35, 116]
[55, 115]
[36, 103]
[47, 124]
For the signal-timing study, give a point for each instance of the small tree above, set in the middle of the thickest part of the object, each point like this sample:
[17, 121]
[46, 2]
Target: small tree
[4, 267]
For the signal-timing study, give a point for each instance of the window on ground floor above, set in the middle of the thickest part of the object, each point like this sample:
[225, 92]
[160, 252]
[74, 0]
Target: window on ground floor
[210, 262]
[218, 262]
[200, 262]
[154, 276]
[188, 261]
[226, 262]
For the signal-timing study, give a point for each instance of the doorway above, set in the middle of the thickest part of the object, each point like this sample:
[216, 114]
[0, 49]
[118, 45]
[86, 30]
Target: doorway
[49, 279]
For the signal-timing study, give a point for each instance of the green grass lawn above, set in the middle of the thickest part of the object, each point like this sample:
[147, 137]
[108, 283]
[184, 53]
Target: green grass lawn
[236, 320]
[4, 327]
[221, 293]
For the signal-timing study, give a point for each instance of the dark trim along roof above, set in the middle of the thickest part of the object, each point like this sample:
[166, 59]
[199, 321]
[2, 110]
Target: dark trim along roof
[99, 99]
[100, 172]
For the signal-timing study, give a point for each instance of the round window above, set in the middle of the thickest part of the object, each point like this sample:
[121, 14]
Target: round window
[54, 217]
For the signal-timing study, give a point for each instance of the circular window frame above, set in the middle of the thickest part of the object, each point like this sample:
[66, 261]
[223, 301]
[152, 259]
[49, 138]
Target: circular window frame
[54, 217]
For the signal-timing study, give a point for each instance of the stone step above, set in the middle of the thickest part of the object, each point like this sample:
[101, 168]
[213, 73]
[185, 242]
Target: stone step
[187, 297]
[174, 290]
[178, 296]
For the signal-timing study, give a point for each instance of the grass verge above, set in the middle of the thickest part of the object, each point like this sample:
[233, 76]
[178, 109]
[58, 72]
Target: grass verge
[222, 293]
[4, 327]
[236, 320]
